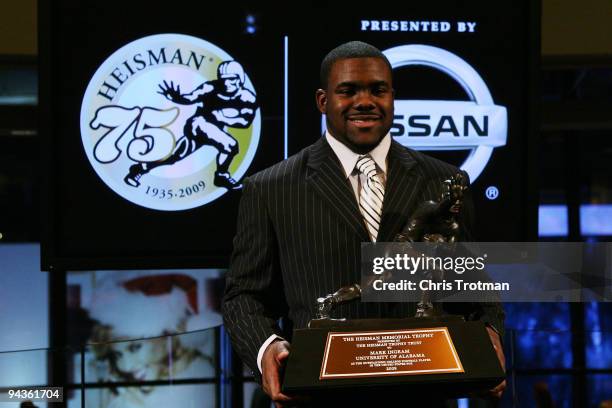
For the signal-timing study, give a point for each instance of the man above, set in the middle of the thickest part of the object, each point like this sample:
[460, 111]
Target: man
[301, 222]
[222, 102]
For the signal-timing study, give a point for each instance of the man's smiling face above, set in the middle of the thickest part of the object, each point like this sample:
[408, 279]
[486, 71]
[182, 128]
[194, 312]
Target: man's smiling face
[358, 102]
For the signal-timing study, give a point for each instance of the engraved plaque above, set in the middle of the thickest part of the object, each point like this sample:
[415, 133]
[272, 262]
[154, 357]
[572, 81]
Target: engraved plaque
[389, 353]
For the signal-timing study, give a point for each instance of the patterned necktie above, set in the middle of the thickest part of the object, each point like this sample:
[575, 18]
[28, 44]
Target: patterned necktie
[371, 195]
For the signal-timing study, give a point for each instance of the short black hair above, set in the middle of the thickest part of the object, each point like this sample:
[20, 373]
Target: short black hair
[351, 49]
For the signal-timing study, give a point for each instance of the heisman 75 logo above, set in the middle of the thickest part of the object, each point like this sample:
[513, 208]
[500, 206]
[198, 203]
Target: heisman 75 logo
[170, 122]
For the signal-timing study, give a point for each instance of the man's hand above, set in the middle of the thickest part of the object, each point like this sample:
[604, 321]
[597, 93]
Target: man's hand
[499, 389]
[272, 367]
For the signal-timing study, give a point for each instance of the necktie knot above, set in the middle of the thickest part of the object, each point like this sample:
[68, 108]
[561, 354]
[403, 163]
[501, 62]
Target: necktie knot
[366, 165]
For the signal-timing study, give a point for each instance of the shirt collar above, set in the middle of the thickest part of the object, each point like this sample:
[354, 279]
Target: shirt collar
[348, 158]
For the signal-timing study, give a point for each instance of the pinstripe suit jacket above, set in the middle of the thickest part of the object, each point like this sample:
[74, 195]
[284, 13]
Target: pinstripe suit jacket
[299, 237]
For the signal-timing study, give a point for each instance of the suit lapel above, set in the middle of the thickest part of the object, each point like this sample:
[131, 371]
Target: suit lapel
[329, 182]
[400, 191]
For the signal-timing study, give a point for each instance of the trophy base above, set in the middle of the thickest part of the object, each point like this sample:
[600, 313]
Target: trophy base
[444, 355]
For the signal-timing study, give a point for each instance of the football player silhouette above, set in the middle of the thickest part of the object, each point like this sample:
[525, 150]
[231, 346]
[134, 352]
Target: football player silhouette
[221, 103]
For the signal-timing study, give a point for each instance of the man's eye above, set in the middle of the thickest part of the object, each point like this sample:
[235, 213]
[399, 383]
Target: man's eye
[379, 90]
[346, 91]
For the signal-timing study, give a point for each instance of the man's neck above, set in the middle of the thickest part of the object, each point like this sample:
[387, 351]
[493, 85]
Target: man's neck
[348, 157]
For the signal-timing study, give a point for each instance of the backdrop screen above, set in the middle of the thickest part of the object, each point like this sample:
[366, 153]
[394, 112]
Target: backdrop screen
[153, 116]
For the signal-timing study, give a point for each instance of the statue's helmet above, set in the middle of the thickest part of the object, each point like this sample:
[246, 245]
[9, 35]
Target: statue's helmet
[230, 69]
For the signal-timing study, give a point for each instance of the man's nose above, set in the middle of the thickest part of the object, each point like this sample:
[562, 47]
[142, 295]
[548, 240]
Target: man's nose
[364, 101]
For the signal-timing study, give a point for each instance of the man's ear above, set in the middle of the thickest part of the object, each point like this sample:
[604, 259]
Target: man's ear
[321, 96]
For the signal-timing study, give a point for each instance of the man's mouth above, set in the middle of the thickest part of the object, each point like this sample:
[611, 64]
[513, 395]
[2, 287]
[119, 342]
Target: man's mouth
[364, 120]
